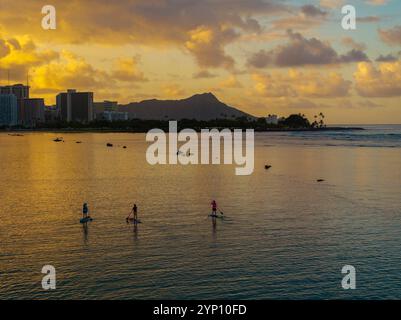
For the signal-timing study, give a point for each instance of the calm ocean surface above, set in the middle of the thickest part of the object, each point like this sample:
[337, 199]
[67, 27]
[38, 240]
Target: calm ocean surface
[285, 237]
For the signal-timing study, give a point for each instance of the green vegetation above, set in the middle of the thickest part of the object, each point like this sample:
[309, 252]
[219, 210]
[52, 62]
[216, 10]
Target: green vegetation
[292, 122]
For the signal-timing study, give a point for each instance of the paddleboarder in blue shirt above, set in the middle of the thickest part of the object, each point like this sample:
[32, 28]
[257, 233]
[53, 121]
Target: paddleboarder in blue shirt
[85, 211]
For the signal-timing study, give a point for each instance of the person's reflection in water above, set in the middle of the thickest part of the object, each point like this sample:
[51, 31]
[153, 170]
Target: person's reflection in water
[135, 231]
[214, 224]
[85, 229]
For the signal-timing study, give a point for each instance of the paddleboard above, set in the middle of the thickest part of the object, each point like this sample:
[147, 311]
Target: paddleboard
[134, 220]
[84, 220]
[216, 216]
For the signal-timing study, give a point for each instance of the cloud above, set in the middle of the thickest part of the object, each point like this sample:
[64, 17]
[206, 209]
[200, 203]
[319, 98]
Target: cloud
[331, 4]
[349, 42]
[391, 36]
[386, 58]
[152, 23]
[306, 17]
[381, 81]
[72, 71]
[68, 71]
[19, 55]
[230, 82]
[203, 74]
[173, 91]
[301, 84]
[313, 11]
[377, 2]
[369, 104]
[126, 69]
[300, 51]
[260, 59]
[353, 56]
[368, 19]
[207, 45]
[303, 104]
[4, 49]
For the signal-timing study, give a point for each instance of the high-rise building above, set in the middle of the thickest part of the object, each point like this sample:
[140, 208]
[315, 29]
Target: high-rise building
[8, 110]
[19, 90]
[75, 106]
[32, 112]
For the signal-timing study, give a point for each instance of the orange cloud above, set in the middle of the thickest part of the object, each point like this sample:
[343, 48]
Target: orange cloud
[207, 45]
[173, 91]
[20, 54]
[126, 69]
[230, 82]
[204, 28]
[301, 84]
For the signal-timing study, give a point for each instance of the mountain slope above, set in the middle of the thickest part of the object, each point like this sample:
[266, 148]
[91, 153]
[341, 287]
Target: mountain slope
[200, 107]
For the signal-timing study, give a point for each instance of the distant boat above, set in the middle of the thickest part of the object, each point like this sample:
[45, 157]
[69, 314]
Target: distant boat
[109, 144]
[58, 140]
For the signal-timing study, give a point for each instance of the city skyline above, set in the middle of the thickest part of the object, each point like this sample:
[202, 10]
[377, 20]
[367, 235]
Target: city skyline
[242, 52]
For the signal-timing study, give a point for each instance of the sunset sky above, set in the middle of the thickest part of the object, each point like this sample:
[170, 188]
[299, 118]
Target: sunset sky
[261, 56]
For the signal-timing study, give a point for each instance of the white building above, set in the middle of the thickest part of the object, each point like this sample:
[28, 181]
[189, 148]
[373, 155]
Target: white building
[272, 119]
[112, 116]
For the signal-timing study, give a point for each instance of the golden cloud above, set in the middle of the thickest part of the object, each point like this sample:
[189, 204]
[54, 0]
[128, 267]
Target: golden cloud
[381, 81]
[68, 71]
[230, 82]
[202, 27]
[126, 69]
[173, 91]
[19, 54]
[207, 45]
[301, 84]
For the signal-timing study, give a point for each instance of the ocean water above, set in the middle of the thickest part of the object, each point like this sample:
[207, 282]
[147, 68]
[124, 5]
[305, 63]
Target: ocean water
[285, 236]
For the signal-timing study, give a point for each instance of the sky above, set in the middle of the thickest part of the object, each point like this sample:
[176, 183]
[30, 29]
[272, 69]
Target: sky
[261, 56]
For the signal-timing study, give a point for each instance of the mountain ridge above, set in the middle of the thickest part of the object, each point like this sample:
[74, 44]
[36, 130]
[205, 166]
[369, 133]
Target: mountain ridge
[203, 106]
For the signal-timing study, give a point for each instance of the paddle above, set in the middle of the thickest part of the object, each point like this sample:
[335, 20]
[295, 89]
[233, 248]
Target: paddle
[129, 215]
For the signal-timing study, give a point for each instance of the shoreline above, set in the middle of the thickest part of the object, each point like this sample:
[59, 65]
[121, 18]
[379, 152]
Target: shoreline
[121, 130]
